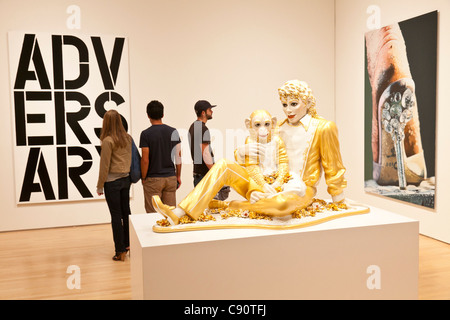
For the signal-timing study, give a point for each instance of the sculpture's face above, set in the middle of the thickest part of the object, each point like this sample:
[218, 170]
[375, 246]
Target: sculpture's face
[294, 108]
[261, 124]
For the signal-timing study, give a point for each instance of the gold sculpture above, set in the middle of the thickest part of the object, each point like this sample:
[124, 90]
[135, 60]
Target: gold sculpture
[304, 145]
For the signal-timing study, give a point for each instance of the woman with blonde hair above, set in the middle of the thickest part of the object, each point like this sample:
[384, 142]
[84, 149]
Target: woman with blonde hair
[114, 180]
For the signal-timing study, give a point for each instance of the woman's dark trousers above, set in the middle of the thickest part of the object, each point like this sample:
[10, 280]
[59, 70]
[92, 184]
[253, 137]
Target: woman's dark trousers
[117, 195]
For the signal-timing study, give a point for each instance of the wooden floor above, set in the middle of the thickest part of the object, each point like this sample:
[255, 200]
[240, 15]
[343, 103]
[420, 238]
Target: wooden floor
[33, 265]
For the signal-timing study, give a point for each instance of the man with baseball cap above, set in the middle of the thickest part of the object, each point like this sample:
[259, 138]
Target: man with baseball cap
[200, 144]
[203, 105]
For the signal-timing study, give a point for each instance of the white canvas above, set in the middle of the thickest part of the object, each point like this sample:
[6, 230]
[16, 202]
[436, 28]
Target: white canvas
[61, 85]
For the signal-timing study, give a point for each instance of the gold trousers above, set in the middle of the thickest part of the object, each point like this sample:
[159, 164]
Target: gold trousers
[229, 173]
[278, 206]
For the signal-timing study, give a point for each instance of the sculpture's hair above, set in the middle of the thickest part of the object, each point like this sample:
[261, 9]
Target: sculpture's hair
[299, 90]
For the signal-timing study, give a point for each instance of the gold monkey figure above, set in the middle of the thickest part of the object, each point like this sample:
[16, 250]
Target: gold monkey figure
[274, 164]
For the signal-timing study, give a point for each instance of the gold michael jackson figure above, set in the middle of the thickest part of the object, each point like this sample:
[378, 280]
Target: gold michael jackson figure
[311, 144]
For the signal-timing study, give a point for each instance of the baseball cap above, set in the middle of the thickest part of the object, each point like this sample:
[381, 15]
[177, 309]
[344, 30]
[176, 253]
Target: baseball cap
[203, 105]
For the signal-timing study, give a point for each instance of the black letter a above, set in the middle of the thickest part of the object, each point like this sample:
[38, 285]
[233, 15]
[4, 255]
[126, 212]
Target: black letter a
[28, 185]
[31, 51]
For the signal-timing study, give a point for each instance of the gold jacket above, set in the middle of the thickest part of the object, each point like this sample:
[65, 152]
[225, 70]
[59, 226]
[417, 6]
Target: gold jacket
[324, 153]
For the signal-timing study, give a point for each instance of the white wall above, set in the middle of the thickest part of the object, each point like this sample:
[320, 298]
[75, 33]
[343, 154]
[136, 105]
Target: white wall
[351, 17]
[234, 53]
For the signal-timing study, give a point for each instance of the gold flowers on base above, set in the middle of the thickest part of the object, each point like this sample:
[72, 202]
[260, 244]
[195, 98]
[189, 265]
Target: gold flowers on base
[186, 220]
[243, 214]
[206, 217]
[316, 206]
[163, 223]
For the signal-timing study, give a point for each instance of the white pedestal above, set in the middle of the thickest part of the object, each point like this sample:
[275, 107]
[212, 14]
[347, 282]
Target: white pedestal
[368, 256]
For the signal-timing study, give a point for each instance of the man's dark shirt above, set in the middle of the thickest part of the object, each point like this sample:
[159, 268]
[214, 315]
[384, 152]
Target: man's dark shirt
[199, 134]
[161, 140]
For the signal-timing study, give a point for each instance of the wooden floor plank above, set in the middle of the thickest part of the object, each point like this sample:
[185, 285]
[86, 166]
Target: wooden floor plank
[434, 269]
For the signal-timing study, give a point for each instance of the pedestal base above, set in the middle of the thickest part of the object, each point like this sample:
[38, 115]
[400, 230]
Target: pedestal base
[369, 256]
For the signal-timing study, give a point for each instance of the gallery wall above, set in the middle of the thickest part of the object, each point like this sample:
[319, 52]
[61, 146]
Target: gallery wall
[233, 53]
[353, 20]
